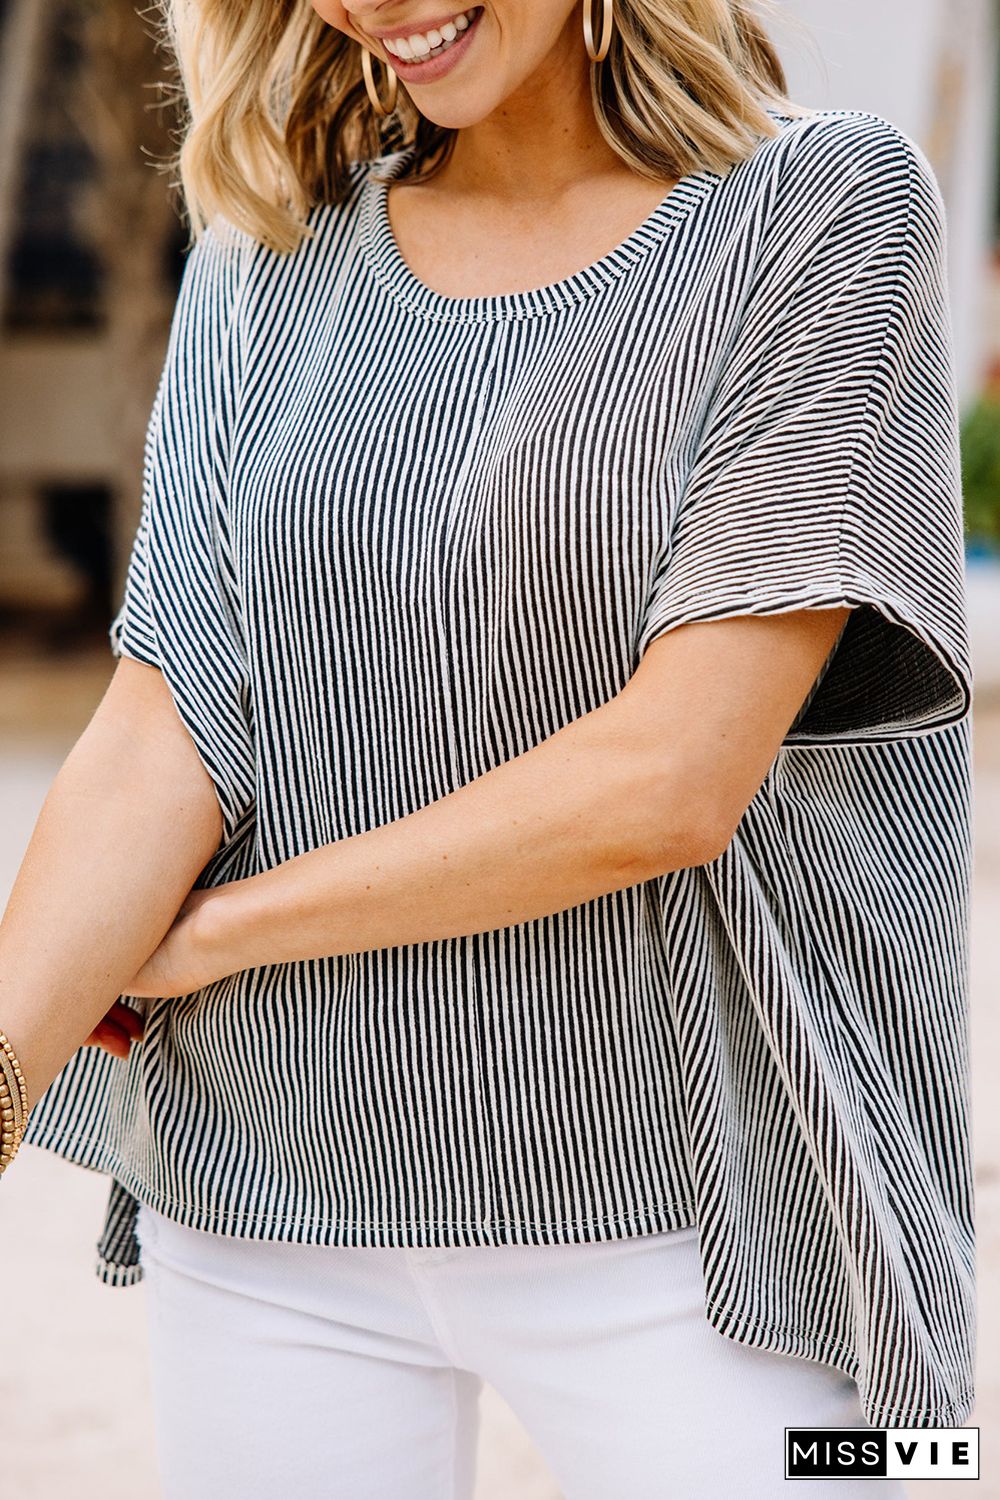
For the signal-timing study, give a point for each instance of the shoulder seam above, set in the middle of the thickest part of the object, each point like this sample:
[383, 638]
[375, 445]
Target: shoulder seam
[897, 289]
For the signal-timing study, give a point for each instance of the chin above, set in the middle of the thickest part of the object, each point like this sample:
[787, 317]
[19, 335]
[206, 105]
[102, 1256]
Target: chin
[453, 114]
[451, 120]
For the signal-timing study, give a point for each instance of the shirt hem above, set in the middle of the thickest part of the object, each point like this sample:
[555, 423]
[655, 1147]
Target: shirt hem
[829, 1350]
[727, 1321]
[641, 1220]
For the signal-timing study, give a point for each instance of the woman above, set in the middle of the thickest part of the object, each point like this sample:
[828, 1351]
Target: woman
[544, 653]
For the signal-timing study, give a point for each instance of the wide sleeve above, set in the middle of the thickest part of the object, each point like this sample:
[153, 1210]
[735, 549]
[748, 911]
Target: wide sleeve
[133, 630]
[188, 427]
[182, 605]
[826, 471]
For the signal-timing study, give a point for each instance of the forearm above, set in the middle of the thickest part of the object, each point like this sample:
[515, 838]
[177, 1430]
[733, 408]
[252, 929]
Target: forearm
[584, 813]
[123, 834]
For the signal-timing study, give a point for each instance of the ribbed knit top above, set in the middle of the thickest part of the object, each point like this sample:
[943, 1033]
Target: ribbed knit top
[392, 538]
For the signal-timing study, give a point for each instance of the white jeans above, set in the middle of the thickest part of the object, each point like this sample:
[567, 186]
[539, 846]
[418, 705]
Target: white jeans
[328, 1373]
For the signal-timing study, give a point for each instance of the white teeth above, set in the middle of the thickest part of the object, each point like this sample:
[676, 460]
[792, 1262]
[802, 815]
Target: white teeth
[422, 44]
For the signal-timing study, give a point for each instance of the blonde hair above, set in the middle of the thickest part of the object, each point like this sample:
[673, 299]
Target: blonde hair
[275, 110]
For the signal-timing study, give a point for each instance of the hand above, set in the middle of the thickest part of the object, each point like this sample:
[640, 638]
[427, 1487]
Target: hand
[186, 959]
[116, 1031]
[180, 965]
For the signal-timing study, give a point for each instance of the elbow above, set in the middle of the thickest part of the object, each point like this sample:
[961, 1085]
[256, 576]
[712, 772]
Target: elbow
[662, 810]
[689, 841]
[712, 840]
[678, 831]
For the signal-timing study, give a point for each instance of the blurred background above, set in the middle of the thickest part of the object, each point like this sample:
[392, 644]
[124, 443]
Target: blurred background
[91, 250]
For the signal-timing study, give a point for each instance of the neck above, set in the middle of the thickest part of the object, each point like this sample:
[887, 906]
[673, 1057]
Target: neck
[540, 142]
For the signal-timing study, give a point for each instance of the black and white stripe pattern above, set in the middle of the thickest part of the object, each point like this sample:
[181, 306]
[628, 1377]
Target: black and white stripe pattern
[391, 539]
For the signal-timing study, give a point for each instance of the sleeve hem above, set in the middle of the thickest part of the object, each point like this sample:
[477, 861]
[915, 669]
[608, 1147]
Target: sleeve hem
[952, 663]
[134, 654]
[750, 603]
[122, 644]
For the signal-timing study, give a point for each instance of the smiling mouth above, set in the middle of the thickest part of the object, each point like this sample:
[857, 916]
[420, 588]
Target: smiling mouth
[419, 47]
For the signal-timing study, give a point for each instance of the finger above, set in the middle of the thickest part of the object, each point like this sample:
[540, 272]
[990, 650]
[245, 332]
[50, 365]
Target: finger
[105, 1029]
[111, 1037]
[108, 1026]
[129, 1020]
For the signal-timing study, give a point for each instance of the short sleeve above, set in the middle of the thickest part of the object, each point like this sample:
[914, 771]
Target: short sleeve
[827, 470]
[133, 631]
[187, 427]
[180, 609]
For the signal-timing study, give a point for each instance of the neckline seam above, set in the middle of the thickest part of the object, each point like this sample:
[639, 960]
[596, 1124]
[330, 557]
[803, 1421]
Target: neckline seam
[386, 265]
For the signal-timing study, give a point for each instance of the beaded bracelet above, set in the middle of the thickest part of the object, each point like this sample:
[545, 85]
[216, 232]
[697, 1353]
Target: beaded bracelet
[13, 1103]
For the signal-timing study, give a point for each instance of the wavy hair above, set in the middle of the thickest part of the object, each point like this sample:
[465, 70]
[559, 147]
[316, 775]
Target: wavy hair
[274, 109]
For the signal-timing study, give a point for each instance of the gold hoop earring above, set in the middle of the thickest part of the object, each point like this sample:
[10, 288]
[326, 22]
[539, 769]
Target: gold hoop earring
[597, 54]
[378, 106]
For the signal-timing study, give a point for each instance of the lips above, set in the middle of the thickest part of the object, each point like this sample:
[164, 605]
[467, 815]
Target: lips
[408, 28]
[445, 46]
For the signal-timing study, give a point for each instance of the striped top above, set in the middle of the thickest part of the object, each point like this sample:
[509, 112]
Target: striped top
[391, 539]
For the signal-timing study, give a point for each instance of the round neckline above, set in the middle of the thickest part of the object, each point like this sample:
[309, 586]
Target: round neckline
[392, 271]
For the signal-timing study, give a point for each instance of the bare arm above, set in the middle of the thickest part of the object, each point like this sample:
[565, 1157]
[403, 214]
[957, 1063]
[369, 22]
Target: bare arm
[127, 826]
[655, 780]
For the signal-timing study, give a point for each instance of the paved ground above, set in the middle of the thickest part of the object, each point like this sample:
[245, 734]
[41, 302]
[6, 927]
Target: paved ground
[74, 1393]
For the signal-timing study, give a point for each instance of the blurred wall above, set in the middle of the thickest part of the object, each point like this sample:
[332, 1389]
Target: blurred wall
[929, 66]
